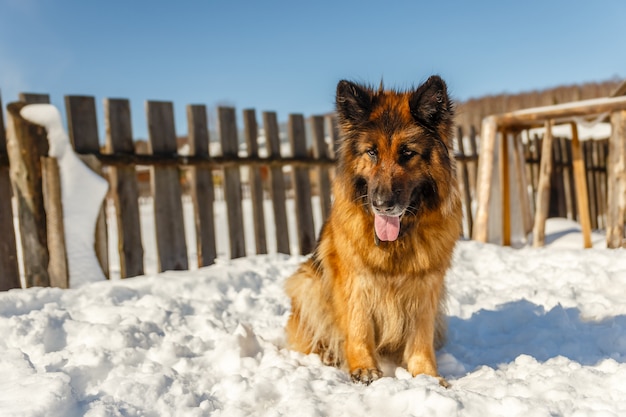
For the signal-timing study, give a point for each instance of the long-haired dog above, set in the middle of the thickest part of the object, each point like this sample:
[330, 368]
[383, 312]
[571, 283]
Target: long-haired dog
[374, 287]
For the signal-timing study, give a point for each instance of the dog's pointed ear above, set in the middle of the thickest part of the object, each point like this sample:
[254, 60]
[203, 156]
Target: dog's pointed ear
[354, 103]
[430, 105]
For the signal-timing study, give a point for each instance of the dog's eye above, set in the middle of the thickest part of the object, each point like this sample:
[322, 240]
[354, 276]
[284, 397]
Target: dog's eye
[372, 153]
[406, 154]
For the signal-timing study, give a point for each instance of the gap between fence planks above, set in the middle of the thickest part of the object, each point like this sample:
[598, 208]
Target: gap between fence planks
[166, 190]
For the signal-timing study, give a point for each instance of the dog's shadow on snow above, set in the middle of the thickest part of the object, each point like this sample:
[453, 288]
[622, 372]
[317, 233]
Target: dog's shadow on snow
[495, 337]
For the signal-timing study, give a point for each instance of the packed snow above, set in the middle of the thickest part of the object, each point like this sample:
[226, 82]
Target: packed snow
[532, 332]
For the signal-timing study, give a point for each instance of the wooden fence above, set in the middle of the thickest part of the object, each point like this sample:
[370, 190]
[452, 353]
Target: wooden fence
[45, 260]
[120, 161]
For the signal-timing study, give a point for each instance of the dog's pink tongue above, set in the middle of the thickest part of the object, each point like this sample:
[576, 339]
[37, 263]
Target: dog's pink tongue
[387, 227]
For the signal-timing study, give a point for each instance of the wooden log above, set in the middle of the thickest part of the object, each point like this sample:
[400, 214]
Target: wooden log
[302, 186]
[201, 185]
[58, 269]
[26, 143]
[616, 191]
[582, 200]
[124, 190]
[82, 125]
[166, 189]
[543, 189]
[232, 181]
[9, 269]
[277, 183]
[465, 183]
[320, 150]
[255, 182]
[533, 116]
[483, 184]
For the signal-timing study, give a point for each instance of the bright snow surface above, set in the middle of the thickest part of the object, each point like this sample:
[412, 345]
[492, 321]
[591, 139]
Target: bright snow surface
[532, 332]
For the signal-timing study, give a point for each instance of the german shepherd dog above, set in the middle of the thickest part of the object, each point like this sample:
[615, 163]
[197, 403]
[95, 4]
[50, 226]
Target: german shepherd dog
[374, 286]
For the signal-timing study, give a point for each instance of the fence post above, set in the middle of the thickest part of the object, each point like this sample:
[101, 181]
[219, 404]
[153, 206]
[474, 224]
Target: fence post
[301, 186]
[25, 145]
[9, 270]
[124, 190]
[82, 127]
[232, 181]
[277, 181]
[254, 180]
[166, 190]
[201, 185]
[616, 193]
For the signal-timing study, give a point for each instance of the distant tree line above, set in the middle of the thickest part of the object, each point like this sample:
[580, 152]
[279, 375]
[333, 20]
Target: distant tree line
[472, 111]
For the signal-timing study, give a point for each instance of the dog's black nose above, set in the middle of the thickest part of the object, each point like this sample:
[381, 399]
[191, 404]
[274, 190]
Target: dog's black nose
[384, 203]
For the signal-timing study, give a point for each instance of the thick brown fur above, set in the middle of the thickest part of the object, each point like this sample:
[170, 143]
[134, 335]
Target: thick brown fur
[358, 299]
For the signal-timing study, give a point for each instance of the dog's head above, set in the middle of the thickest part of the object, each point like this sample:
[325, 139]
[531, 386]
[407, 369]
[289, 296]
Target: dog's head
[395, 150]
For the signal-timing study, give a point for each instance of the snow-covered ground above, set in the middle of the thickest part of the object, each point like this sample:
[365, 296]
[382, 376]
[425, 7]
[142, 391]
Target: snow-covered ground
[532, 332]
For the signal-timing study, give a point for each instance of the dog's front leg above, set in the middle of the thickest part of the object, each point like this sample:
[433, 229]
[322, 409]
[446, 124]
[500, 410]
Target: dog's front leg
[360, 344]
[419, 354]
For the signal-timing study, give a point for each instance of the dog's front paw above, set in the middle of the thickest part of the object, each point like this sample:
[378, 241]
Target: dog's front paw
[365, 375]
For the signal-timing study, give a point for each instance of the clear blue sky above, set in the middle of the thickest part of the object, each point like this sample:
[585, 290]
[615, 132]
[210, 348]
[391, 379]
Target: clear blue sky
[287, 56]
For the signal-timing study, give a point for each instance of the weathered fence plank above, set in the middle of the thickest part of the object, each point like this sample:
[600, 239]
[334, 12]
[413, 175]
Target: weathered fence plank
[166, 189]
[9, 269]
[301, 186]
[25, 145]
[201, 185]
[277, 183]
[57, 267]
[124, 190]
[82, 124]
[232, 181]
[255, 182]
[320, 150]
